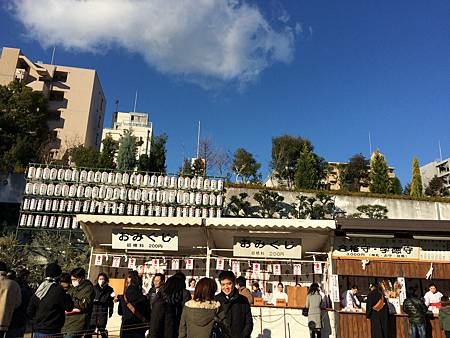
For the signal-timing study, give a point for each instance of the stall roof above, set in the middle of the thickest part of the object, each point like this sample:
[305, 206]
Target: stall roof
[260, 223]
[393, 225]
[139, 220]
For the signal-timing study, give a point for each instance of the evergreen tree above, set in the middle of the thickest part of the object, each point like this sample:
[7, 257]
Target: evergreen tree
[435, 187]
[157, 159]
[244, 165]
[306, 174]
[416, 182]
[126, 156]
[270, 203]
[108, 153]
[395, 187]
[379, 174]
[355, 173]
[81, 156]
[186, 168]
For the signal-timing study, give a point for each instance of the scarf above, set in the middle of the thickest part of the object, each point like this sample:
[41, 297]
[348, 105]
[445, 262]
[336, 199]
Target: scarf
[44, 287]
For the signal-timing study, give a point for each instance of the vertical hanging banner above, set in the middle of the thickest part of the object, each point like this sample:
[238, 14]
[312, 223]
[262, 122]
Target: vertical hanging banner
[132, 263]
[276, 269]
[98, 259]
[147, 267]
[175, 264]
[236, 267]
[317, 267]
[297, 269]
[256, 267]
[189, 264]
[116, 262]
[220, 263]
[155, 263]
[334, 285]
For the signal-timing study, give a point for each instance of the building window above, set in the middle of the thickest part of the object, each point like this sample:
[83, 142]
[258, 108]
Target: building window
[60, 76]
[54, 134]
[54, 115]
[56, 95]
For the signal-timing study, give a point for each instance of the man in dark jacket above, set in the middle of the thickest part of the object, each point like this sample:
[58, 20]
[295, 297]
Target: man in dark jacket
[377, 311]
[157, 282]
[236, 309]
[82, 293]
[416, 309]
[48, 304]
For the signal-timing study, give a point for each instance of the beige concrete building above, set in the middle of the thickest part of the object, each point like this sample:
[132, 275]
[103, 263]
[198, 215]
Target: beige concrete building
[138, 124]
[439, 168]
[76, 99]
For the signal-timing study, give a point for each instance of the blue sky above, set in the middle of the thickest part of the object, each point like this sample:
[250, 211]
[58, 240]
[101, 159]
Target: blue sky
[330, 71]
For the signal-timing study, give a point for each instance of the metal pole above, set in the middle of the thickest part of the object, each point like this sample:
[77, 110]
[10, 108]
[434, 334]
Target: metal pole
[198, 140]
[90, 262]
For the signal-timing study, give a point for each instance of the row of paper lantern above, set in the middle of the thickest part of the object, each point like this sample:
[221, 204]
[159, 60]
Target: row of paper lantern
[136, 179]
[112, 208]
[48, 221]
[113, 194]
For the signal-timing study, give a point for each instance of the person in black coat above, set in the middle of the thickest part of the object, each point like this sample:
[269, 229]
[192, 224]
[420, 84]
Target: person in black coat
[377, 311]
[157, 282]
[167, 309]
[19, 320]
[134, 308]
[103, 304]
[236, 308]
[48, 305]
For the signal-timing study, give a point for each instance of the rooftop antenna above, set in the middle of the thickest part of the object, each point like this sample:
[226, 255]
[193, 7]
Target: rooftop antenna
[370, 145]
[135, 101]
[117, 105]
[440, 150]
[198, 139]
[53, 55]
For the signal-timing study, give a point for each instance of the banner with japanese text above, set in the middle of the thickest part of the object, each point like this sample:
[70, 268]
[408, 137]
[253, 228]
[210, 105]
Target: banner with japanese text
[159, 240]
[267, 247]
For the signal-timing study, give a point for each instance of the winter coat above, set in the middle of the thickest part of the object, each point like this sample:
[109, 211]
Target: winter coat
[378, 319]
[444, 318]
[83, 298]
[19, 319]
[314, 305]
[416, 309]
[103, 306]
[237, 313]
[197, 319]
[10, 299]
[151, 295]
[166, 318]
[246, 293]
[47, 314]
[132, 325]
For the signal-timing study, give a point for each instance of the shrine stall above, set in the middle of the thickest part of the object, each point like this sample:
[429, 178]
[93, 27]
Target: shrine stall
[396, 254]
[267, 251]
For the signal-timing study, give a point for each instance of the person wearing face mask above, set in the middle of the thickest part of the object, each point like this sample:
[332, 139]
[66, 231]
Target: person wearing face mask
[82, 293]
[103, 305]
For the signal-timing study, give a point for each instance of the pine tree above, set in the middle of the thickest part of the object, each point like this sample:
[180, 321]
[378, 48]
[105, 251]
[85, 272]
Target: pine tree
[379, 174]
[126, 157]
[109, 150]
[306, 174]
[416, 182]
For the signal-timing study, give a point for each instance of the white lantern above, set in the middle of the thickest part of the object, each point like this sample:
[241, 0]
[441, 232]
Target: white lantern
[43, 189]
[30, 220]
[80, 191]
[75, 175]
[191, 212]
[164, 197]
[160, 181]
[37, 221]
[130, 194]
[29, 188]
[118, 179]
[62, 206]
[136, 210]
[67, 222]
[26, 204]
[110, 193]
[133, 179]
[173, 182]
[23, 220]
[73, 190]
[213, 185]
[212, 199]
[218, 212]
[130, 209]
[70, 204]
[60, 222]
[123, 194]
[157, 211]
[60, 174]
[86, 205]
[107, 207]
[38, 173]
[48, 205]
[179, 197]
[143, 210]
[137, 195]
[65, 190]
[219, 200]
[153, 180]
[40, 205]
[44, 223]
[100, 207]
[180, 182]
[125, 178]
[139, 179]
[116, 194]
[58, 190]
[90, 176]
[92, 207]
[186, 211]
[77, 206]
[33, 204]
[192, 198]
[146, 180]
[83, 176]
[163, 211]
[187, 183]
[211, 212]
[186, 196]
[198, 198]
[97, 177]
[166, 182]
[158, 196]
[104, 178]
[111, 178]
[36, 188]
[144, 195]
[55, 205]
[200, 183]
[50, 189]
[172, 196]
[220, 185]
[52, 221]
[170, 211]
[114, 208]
[75, 224]
[46, 173]
[31, 172]
[68, 175]
[102, 192]
[150, 210]
[88, 192]
[204, 213]
[194, 183]
[179, 211]
[206, 184]
[205, 200]
[54, 174]
[152, 195]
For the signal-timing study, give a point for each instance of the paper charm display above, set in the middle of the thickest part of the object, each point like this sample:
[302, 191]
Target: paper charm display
[116, 262]
[98, 259]
[132, 263]
[297, 269]
[236, 267]
[220, 263]
[256, 267]
[317, 267]
[175, 264]
[276, 269]
[189, 264]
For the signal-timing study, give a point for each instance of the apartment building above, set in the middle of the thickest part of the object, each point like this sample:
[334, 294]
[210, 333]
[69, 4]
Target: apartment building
[439, 168]
[76, 99]
[138, 124]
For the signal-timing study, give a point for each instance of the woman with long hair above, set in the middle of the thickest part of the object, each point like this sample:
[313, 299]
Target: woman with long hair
[134, 308]
[167, 309]
[198, 315]
[103, 304]
[314, 305]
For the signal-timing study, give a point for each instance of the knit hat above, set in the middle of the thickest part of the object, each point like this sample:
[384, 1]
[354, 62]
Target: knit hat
[53, 270]
[3, 266]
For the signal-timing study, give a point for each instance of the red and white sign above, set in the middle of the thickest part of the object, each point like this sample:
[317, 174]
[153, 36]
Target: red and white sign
[236, 267]
[276, 269]
[116, 261]
[98, 259]
[318, 267]
[297, 269]
[220, 263]
[189, 264]
[256, 267]
[155, 263]
[132, 263]
[175, 264]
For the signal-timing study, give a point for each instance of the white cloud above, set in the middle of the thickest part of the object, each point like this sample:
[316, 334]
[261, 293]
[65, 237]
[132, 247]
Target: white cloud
[201, 39]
